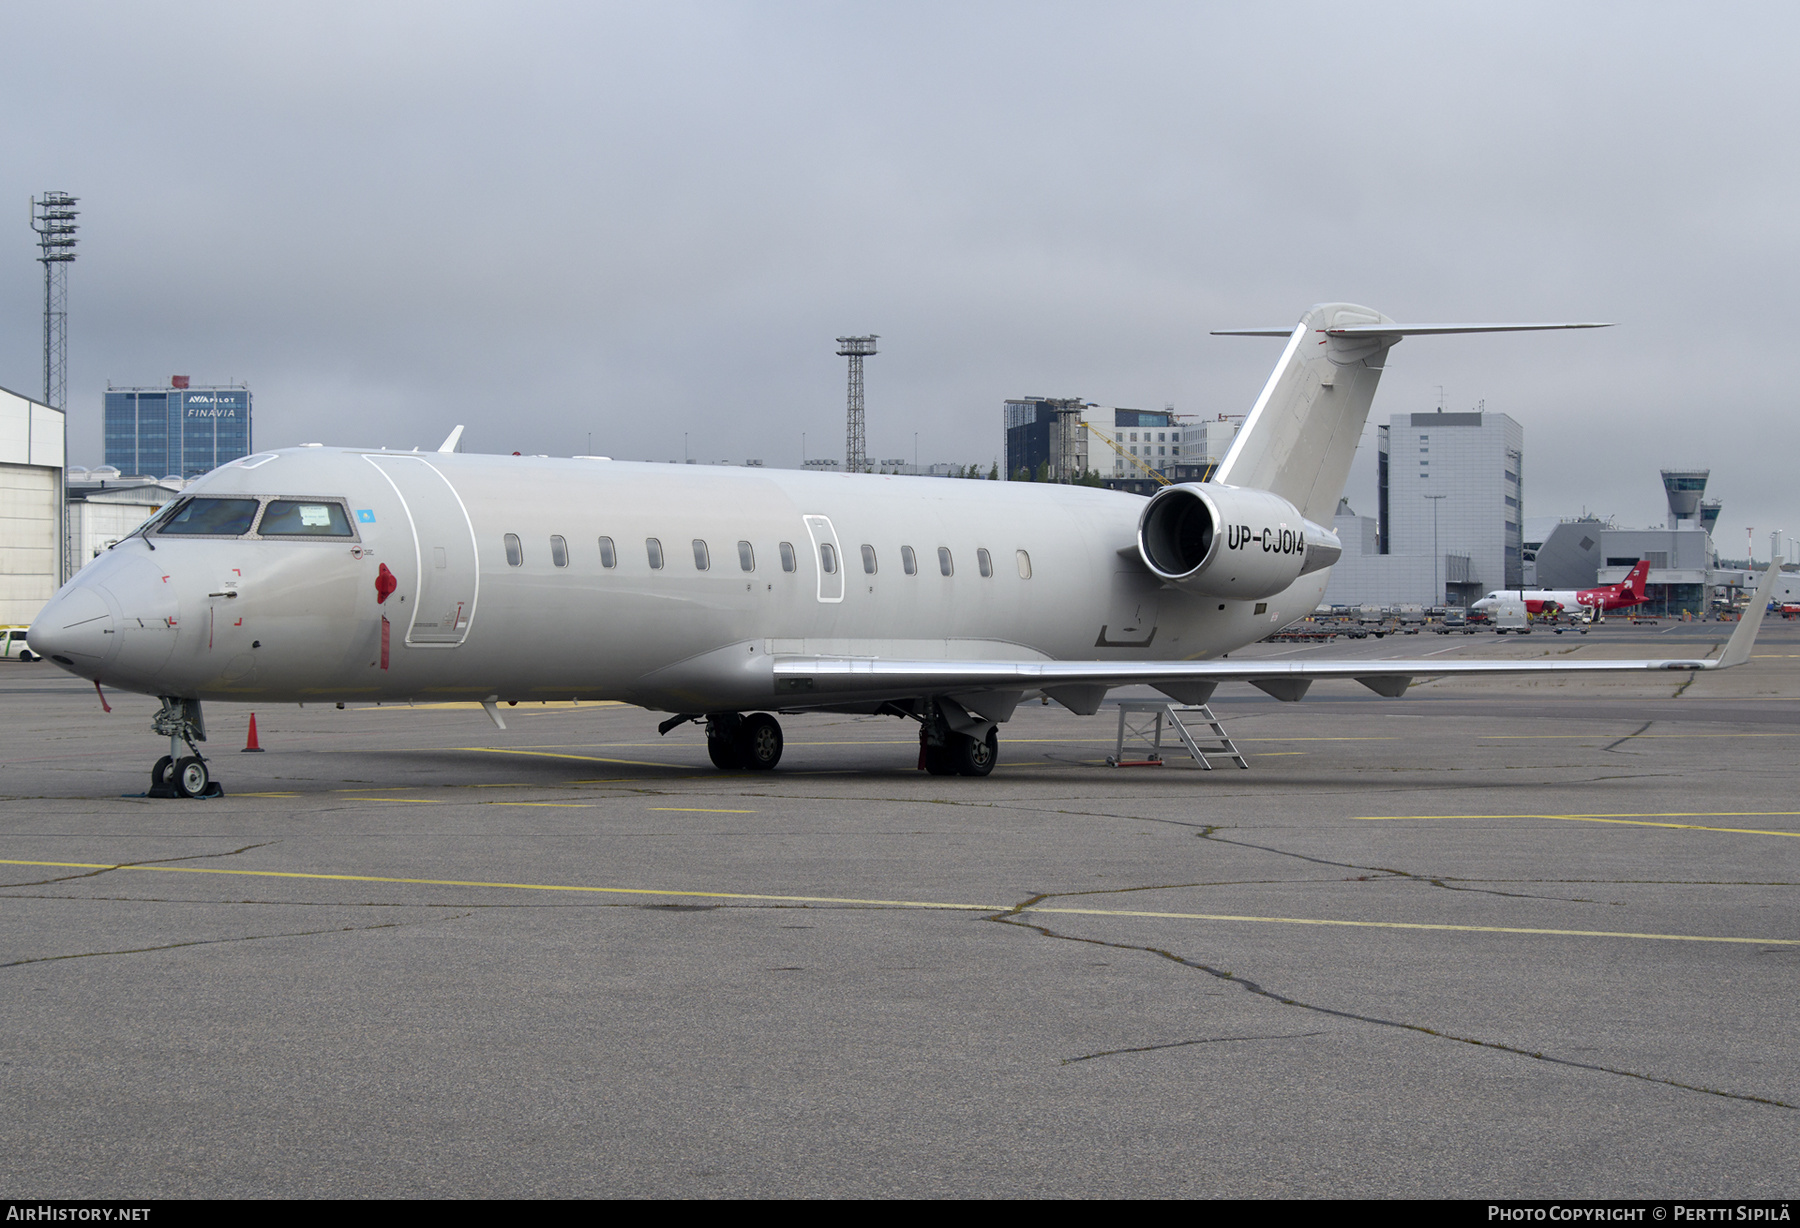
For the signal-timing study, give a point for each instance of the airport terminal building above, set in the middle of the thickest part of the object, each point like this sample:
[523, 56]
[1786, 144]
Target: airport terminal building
[178, 431]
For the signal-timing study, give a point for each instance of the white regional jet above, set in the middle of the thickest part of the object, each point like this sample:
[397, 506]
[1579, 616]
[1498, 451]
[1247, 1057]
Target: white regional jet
[318, 574]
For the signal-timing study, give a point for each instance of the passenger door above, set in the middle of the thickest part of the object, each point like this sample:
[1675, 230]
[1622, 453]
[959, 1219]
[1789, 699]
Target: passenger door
[447, 563]
[828, 557]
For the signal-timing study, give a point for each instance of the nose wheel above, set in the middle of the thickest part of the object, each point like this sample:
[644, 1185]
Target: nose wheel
[176, 774]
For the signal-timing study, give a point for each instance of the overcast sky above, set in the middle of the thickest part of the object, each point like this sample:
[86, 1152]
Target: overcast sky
[650, 221]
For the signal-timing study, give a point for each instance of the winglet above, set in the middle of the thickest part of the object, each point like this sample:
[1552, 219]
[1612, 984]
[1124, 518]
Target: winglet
[453, 442]
[1737, 648]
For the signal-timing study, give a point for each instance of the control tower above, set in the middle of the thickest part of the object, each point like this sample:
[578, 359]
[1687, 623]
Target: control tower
[1684, 488]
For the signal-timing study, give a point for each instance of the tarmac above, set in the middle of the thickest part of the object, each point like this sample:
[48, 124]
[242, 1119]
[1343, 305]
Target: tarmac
[1495, 939]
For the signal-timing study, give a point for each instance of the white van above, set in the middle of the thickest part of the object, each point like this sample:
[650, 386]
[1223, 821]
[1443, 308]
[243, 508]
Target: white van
[12, 644]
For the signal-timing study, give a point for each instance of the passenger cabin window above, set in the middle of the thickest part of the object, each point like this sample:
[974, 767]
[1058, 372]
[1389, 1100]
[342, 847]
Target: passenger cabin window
[827, 558]
[609, 557]
[299, 518]
[212, 518]
[653, 548]
[702, 560]
[985, 562]
[515, 553]
[746, 556]
[868, 553]
[788, 561]
[944, 561]
[1024, 565]
[559, 552]
[909, 562]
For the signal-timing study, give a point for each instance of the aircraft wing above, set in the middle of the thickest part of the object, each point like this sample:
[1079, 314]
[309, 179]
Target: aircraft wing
[1081, 684]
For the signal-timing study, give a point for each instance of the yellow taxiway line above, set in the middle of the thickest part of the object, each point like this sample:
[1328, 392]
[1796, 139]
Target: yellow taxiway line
[1628, 820]
[700, 810]
[934, 905]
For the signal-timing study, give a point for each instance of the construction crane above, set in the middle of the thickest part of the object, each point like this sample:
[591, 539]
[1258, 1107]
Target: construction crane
[1110, 442]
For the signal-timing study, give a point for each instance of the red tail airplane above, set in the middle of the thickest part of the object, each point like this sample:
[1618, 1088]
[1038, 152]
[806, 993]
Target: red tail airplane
[1626, 593]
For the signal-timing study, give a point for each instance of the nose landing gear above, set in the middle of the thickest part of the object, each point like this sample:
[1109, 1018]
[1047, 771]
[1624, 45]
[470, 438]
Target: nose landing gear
[176, 774]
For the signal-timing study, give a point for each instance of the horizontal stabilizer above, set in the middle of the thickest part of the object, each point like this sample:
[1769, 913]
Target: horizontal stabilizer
[1300, 437]
[1402, 330]
[1433, 330]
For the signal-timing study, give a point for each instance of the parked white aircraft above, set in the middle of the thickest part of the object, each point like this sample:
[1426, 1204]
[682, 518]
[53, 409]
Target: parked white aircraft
[335, 574]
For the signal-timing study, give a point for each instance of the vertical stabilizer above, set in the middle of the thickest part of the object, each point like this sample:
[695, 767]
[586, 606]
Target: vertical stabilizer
[1300, 438]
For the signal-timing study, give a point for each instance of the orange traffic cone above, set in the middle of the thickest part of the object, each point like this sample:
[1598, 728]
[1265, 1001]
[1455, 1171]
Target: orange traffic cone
[251, 744]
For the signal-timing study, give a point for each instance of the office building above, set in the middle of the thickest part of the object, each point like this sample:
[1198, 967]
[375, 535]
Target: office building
[178, 431]
[1067, 439]
[1449, 513]
[1045, 439]
[1470, 466]
[1179, 447]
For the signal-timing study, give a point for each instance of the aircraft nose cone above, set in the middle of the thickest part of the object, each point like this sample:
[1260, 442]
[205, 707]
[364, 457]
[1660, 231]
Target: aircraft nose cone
[75, 630]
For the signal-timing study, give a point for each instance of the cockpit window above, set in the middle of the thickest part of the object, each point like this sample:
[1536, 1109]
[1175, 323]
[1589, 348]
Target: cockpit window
[211, 518]
[305, 518]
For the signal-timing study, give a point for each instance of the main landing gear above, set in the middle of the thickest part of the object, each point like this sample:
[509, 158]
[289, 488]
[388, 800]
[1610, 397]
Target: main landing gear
[955, 742]
[961, 754]
[176, 774]
[738, 743]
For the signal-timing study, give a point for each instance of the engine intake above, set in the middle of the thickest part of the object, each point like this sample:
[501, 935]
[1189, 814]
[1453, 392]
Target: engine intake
[1230, 542]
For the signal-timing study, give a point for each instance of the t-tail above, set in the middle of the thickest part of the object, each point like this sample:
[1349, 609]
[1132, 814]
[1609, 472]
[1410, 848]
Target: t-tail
[1301, 435]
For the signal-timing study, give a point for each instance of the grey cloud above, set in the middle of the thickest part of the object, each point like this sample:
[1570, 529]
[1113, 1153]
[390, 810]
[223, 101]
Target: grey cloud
[639, 221]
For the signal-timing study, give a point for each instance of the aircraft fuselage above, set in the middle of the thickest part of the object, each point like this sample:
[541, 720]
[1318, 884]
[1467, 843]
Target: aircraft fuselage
[497, 583]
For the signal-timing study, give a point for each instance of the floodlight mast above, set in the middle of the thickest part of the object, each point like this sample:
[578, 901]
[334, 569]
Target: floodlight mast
[53, 218]
[856, 448]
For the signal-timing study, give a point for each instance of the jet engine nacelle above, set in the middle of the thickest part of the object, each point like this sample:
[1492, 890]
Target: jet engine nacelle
[1231, 542]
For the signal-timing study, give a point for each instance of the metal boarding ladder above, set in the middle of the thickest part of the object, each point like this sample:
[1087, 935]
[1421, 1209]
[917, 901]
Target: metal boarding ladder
[1142, 722]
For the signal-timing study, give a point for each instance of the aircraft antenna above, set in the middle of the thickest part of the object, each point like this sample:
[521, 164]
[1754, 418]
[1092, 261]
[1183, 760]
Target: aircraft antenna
[856, 447]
